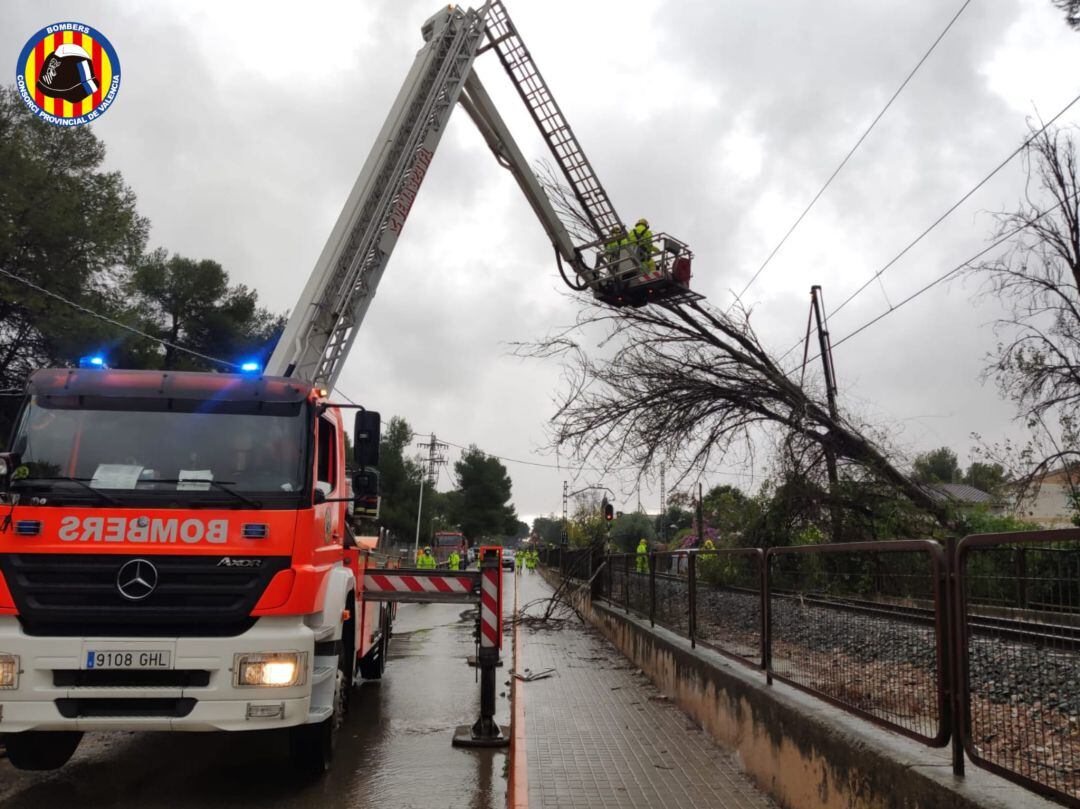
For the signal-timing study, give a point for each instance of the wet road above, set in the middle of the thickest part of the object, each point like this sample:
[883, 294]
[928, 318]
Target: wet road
[394, 751]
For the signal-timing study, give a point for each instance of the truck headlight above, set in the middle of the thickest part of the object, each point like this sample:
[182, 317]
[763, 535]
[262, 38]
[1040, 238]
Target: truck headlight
[270, 669]
[9, 672]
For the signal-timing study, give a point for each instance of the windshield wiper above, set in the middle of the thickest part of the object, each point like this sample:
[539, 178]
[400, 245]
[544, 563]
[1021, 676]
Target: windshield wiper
[217, 484]
[112, 501]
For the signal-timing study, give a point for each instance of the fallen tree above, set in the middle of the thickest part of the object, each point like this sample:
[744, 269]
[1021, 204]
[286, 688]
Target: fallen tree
[687, 385]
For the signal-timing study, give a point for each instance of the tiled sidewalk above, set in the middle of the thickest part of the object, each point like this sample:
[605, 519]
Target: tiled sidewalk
[599, 734]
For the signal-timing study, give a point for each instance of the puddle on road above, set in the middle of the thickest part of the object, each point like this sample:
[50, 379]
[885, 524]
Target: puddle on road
[394, 751]
[419, 704]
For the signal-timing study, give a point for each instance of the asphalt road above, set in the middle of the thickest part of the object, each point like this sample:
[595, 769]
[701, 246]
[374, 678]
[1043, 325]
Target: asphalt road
[394, 751]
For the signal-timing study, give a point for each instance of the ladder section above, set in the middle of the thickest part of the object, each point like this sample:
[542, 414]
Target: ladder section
[564, 146]
[324, 325]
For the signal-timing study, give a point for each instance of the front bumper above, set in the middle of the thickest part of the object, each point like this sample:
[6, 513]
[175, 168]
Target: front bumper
[40, 704]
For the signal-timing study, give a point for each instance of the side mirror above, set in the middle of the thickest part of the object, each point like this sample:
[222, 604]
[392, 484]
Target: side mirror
[9, 462]
[366, 434]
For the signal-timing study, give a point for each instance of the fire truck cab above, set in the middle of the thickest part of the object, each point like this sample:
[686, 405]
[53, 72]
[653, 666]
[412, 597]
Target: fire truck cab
[174, 555]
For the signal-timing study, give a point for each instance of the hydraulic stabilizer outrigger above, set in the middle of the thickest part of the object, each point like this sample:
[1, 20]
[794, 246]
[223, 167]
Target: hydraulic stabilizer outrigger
[482, 587]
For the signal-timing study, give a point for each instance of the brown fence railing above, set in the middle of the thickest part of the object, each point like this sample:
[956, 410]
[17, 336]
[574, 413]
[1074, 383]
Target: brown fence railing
[1019, 652]
[863, 626]
[976, 641]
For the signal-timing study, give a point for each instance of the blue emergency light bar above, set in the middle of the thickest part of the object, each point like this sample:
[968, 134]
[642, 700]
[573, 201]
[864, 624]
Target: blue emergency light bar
[250, 367]
[96, 361]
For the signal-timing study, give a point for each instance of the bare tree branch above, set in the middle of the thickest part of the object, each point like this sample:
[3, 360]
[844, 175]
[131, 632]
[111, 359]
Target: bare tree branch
[1036, 364]
[688, 385]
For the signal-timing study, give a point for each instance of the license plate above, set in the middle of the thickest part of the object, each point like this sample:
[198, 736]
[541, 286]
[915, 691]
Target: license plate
[128, 659]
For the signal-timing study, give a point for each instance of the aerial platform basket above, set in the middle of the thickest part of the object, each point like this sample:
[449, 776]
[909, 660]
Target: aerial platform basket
[631, 275]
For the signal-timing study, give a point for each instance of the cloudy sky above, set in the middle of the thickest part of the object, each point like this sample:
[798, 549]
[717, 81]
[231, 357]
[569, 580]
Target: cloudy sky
[242, 126]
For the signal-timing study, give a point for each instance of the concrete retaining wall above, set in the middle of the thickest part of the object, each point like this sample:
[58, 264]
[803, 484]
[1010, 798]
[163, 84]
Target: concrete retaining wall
[804, 752]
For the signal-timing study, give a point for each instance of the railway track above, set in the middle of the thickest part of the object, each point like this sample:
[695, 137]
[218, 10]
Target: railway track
[1058, 636]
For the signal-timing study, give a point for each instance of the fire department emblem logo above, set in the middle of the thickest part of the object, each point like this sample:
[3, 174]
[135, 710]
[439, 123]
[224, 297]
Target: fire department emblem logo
[68, 74]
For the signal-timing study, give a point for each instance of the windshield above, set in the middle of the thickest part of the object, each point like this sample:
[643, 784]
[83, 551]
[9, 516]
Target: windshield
[205, 450]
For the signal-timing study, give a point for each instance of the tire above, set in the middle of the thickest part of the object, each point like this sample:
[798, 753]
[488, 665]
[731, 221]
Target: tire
[311, 747]
[41, 750]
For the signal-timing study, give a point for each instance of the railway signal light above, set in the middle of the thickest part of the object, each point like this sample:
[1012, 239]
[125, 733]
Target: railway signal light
[609, 511]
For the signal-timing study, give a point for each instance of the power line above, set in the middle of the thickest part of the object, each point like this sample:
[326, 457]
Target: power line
[997, 243]
[563, 467]
[111, 321]
[946, 214]
[957, 204]
[341, 393]
[854, 148]
[567, 468]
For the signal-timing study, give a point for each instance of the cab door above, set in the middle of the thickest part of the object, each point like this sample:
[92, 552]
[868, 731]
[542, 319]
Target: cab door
[328, 530]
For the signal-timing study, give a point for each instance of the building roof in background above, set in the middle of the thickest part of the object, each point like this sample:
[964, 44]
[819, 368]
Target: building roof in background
[958, 493]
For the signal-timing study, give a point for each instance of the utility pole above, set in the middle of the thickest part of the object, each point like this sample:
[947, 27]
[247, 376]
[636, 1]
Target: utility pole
[435, 459]
[700, 517]
[825, 346]
[663, 505]
[565, 503]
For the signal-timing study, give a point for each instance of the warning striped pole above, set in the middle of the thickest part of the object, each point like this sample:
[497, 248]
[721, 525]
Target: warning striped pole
[485, 732]
[490, 607]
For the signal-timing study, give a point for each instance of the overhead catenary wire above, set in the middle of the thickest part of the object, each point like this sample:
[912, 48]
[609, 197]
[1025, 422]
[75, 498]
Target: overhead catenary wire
[945, 276]
[572, 468]
[853, 149]
[951, 209]
[112, 321]
[958, 203]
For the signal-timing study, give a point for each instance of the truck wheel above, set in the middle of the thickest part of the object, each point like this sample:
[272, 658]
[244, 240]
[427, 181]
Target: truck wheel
[311, 747]
[41, 750]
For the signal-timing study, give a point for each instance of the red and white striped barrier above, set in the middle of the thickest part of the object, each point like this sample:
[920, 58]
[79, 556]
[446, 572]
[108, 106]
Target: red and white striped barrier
[490, 608]
[393, 585]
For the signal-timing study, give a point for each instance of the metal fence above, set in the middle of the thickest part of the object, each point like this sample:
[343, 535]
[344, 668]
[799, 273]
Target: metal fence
[728, 608]
[863, 626]
[671, 591]
[976, 641]
[1020, 656]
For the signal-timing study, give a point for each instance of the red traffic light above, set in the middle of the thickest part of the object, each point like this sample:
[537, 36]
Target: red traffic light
[609, 512]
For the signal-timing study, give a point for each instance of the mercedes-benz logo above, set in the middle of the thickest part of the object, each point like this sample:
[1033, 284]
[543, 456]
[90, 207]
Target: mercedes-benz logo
[136, 579]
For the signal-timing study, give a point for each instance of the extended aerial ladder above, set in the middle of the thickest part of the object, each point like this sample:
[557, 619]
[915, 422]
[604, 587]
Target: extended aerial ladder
[324, 324]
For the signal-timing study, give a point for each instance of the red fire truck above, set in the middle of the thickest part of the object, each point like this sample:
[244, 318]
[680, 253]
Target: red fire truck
[174, 551]
[445, 543]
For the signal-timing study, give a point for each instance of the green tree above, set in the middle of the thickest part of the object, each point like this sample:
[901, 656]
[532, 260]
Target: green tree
[191, 302]
[672, 521]
[727, 509]
[399, 481]
[937, 466]
[481, 503]
[549, 529]
[68, 226]
[988, 477]
[587, 525]
[627, 529]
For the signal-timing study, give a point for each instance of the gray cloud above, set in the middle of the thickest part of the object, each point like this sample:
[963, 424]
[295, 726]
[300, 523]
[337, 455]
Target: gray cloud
[242, 127]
